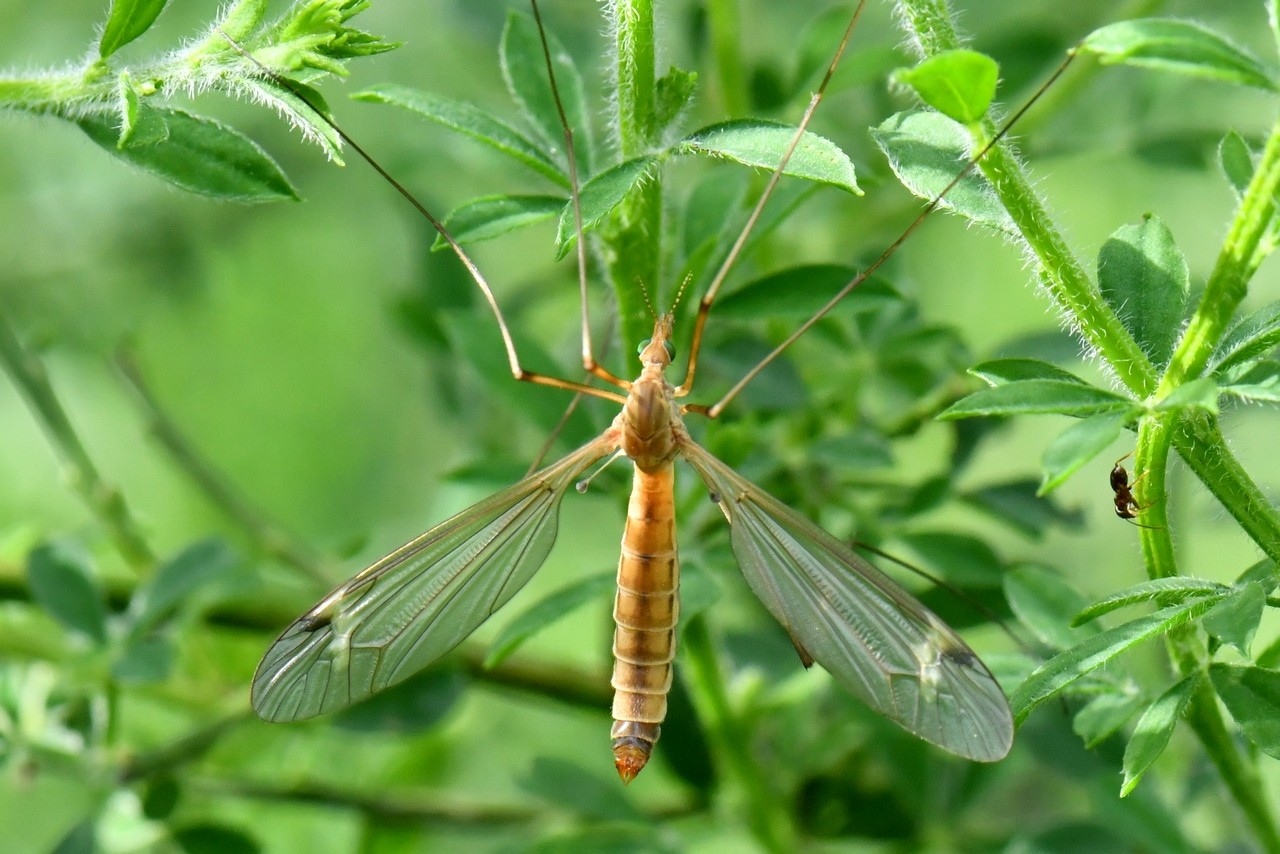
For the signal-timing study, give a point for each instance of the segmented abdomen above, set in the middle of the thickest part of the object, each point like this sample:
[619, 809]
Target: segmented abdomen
[645, 611]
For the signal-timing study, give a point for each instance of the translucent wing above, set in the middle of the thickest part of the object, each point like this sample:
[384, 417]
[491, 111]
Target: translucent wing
[869, 633]
[417, 603]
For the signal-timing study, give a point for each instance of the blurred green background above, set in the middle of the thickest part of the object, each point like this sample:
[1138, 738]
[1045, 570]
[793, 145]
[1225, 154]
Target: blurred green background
[303, 350]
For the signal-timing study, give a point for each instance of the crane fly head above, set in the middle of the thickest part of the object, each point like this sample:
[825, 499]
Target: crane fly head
[658, 350]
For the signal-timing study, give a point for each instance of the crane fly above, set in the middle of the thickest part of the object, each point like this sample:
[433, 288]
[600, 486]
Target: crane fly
[416, 604]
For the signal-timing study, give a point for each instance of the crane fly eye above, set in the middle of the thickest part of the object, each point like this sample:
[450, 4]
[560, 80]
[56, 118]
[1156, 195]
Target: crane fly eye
[671, 351]
[643, 344]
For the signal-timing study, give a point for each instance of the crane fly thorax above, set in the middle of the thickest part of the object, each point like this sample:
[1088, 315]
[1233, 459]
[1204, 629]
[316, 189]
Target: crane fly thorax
[650, 421]
[650, 418]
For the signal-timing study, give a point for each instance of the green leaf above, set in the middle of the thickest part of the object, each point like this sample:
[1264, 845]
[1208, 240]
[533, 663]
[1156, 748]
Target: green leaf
[178, 579]
[1252, 695]
[1064, 668]
[472, 122]
[1236, 162]
[1005, 371]
[214, 839]
[492, 216]
[1201, 393]
[200, 156]
[545, 612]
[762, 144]
[127, 20]
[599, 196]
[1162, 589]
[1045, 603]
[161, 796]
[799, 292]
[926, 150]
[1252, 337]
[146, 661]
[960, 84]
[1144, 277]
[1235, 619]
[958, 558]
[524, 69]
[63, 583]
[1181, 47]
[1151, 735]
[140, 123]
[1077, 445]
[1038, 397]
[1104, 715]
[1261, 382]
[672, 93]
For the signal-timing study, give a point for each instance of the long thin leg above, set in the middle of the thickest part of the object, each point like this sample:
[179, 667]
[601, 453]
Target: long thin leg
[589, 362]
[513, 358]
[718, 407]
[704, 306]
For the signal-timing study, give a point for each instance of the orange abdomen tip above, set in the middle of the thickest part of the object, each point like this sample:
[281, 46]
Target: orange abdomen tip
[629, 756]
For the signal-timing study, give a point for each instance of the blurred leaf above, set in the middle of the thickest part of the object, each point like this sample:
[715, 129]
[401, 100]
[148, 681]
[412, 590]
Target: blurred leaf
[417, 704]
[1004, 371]
[524, 70]
[201, 156]
[1044, 602]
[580, 792]
[198, 566]
[1253, 336]
[924, 151]
[469, 121]
[1018, 505]
[1252, 695]
[1236, 161]
[127, 20]
[1176, 588]
[544, 612]
[160, 797]
[1182, 47]
[1104, 716]
[144, 661]
[1235, 619]
[1042, 397]
[800, 291]
[1064, 668]
[1144, 277]
[960, 84]
[1151, 735]
[81, 839]
[959, 558]
[492, 216]
[762, 145]
[858, 450]
[699, 590]
[599, 196]
[64, 584]
[1077, 445]
[214, 839]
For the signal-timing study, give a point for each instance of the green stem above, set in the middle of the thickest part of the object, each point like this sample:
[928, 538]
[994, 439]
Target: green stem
[103, 499]
[1242, 252]
[632, 238]
[765, 812]
[1240, 775]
